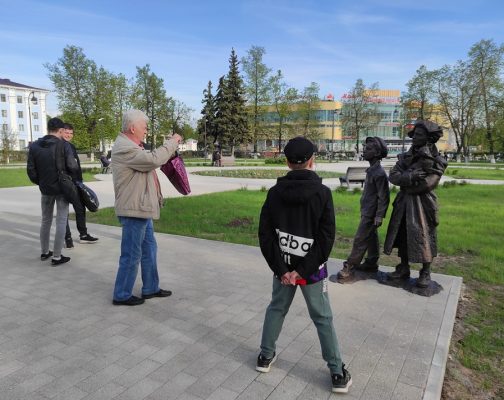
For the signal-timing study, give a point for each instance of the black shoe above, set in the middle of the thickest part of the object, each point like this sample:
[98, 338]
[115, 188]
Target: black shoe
[346, 273]
[401, 272]
[87, 238]
[61, 260]
[69, 243]
[45, 256]
[264, 364]
[161, 293]
[341, 383]
[424, 279]
[132, 301]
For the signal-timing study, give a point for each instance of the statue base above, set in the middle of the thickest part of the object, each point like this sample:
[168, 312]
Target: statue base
[409, 285]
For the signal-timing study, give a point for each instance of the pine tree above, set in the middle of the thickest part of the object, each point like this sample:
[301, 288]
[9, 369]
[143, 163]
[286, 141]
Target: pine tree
[233, 122]
[222, 113]
[206, 125]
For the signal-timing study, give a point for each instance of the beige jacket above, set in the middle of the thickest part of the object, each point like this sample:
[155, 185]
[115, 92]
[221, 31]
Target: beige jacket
[137, 190]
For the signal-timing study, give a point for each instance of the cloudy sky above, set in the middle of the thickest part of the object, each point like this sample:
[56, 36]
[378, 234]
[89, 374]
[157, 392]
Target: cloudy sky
[188, 43]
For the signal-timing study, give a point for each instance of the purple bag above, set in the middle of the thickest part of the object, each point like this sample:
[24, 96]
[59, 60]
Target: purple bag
[175, 170]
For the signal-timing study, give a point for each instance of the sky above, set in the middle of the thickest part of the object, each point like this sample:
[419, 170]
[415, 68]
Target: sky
[188, 43]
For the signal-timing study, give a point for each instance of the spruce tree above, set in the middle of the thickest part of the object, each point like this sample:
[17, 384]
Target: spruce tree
[207, 122]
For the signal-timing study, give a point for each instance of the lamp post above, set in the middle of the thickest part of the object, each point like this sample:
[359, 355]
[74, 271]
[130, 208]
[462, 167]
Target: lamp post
[34, 100]
[396, 116]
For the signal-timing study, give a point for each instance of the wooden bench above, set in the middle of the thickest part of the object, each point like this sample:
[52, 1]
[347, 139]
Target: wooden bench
[354, 175]
[227, 161]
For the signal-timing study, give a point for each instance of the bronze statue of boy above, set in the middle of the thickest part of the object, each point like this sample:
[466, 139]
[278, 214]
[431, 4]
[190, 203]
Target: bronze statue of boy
[374, 203]
[412, 227]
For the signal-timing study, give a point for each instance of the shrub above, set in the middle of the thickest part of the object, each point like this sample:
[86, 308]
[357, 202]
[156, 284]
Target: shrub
[278, 161]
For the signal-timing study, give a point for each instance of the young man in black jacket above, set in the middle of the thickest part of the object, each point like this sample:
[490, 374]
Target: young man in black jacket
[42, 171]
[78, 206]
[296, 235]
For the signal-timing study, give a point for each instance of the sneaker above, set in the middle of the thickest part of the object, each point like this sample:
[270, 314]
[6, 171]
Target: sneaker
[341, 383]
[87, 238]
[61, 260]
[69, 243]
[132, 301]
[160, 293]
[401, 272]
[264, 364]
[45, 256]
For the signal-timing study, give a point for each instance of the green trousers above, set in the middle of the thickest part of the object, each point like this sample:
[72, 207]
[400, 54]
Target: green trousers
[319, 308]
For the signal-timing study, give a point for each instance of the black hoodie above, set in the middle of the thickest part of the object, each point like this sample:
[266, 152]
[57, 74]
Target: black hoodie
[297, 226]
[41, 166]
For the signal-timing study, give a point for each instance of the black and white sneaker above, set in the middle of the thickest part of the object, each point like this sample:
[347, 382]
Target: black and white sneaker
[61, 260]
[264, 364]
[341, 383]
[87, 238]
[69, 243]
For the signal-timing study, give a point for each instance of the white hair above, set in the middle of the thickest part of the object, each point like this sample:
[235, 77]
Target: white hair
[132, 116]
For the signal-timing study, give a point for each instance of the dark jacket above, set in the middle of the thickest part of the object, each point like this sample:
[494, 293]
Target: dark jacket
[41, 166]
[297, 226]
[416, 204]
[78, 174]
[376, 196]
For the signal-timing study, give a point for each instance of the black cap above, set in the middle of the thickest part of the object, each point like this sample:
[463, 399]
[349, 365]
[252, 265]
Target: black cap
[434, 131]
[299, 150]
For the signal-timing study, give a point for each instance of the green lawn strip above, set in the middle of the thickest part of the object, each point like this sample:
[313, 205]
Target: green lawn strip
[259, 173]
[475, 173]
[16, 177]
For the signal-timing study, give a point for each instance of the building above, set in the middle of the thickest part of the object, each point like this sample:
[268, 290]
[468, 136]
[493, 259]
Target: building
[22, 112]
[188, 145]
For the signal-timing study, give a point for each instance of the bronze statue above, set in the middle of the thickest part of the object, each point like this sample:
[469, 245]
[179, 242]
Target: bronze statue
[412, 227]
[373, 206]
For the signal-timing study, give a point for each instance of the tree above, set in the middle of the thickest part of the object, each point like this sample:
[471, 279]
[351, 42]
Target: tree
[420, 92]
[206, 125]
[180, 115]
[148, 94]
[306, 112]
[457, 93]
[8, 141]
[486, 59]
[359, 111]
[256, 88]
[84, 91]
[231, 116]
[283, 100]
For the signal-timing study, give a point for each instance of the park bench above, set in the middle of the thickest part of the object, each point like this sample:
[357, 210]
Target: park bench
[227, 161]
[354, 175]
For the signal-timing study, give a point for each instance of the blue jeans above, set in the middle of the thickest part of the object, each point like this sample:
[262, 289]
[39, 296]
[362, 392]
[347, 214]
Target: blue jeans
[319, 308]
[138, 246]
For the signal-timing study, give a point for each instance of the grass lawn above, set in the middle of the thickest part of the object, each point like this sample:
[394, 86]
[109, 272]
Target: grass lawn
[15, 177]
[470, 239]
[259, 173]
[475, 173]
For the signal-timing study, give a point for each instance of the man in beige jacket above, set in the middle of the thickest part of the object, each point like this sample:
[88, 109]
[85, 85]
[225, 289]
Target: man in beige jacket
[138, 200]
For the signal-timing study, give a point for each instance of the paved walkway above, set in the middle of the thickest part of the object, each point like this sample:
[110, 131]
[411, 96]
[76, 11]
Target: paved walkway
[61, 338]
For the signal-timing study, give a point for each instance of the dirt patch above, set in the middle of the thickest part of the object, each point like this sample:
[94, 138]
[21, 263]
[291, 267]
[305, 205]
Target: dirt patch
[240, 222]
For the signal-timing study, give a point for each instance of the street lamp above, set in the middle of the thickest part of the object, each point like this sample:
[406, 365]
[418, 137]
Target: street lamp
[401, 129]
[34, 101]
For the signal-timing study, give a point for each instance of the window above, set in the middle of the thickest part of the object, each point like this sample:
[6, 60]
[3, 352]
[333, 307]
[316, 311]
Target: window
[22, 144]
[20, 99]
[35, 115]
[4, 113]
[5, 127]
[20, 114]
[3, 99]
[21, 128]
[35, 128]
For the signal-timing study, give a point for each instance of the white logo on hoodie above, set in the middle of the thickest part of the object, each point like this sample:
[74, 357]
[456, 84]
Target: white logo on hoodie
[292, 244]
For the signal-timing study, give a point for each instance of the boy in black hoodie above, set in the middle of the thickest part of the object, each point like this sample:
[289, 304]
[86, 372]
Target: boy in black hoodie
[296, 235]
